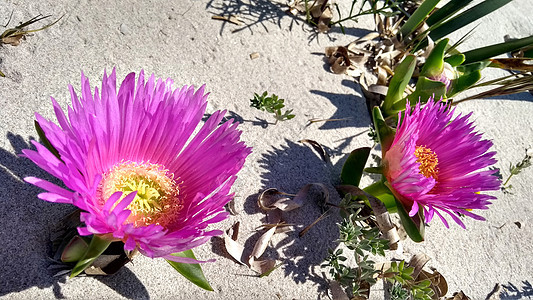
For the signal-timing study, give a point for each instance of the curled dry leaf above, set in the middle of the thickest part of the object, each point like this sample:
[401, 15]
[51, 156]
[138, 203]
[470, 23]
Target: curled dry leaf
[438, 282]
[418, 261]
[262, 243]
[266, 265]
[268, 198]
[263, 267]
[459, 296]
[318, 148]
[233, 248]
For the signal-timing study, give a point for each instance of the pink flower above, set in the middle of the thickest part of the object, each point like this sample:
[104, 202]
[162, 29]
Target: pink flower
[133, 165]
[434, 162]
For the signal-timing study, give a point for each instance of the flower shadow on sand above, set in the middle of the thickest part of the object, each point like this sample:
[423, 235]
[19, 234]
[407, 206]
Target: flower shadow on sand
[288, 168]
[27, 223]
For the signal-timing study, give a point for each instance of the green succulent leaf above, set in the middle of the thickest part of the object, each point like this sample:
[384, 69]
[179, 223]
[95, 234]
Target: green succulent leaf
[385, 132]
[352, 170]
[473, 14]
[435, 62]
[487, 52]
[193, 272]
[414, 226]
[402, 75]
[442, 14]
[418, 17]
[426, 88]
[464, 82]
[472, 67]
[455, 60]
[97, 246]
[382, 192]
[75, 249]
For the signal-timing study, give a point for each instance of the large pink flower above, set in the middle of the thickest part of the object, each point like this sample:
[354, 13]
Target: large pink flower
[134, 166]
[435, 162]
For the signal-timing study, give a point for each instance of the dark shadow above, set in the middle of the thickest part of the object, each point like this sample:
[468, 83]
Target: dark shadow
[512, 292]
[288, 169]
[126, 284]
[26, 226]
[350, 108]
[351, 113]
[252, 13]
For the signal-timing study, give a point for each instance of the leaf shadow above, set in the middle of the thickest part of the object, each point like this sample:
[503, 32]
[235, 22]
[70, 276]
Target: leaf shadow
[253, 13]
[288, 168]
[511, 291]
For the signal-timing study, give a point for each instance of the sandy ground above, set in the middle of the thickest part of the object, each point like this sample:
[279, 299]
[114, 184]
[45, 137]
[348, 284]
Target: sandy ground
[178, 39]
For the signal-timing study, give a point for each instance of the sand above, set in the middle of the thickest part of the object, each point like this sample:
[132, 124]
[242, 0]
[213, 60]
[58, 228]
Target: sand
[178, 39]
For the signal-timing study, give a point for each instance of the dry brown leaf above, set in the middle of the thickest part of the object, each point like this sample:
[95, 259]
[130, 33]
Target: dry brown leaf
[418, 261]
[515, 64]
[232, 19]
[233, 248]
[13, 40]
[318, 148]
[459, 296]
[262, 244]
[262, 266]
[337, 292]
[265, 199]
[438, 282]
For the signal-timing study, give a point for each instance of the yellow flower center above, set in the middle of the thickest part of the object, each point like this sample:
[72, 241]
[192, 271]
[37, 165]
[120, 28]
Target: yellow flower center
[428, 161]
[157, 200]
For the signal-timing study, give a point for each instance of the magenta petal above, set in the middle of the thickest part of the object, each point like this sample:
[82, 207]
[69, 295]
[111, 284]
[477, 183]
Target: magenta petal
[139, 163]
[458, 178]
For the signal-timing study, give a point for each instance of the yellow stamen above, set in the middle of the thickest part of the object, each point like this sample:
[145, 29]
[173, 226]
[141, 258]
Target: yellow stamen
[157, 200]
[428, 161]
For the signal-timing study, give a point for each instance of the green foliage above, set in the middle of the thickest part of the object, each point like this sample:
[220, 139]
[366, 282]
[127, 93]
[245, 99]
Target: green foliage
[271, 104]
[352, 170]
[357, 236]
[517, 168]
[404, 285]
[192, 272]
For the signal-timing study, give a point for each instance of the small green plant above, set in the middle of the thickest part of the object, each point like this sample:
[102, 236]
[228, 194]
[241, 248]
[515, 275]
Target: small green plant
[404, 285]
[271, 104]
[516, 169]
[358, 236]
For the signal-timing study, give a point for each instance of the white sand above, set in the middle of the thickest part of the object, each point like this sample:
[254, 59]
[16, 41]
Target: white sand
[178, 39]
